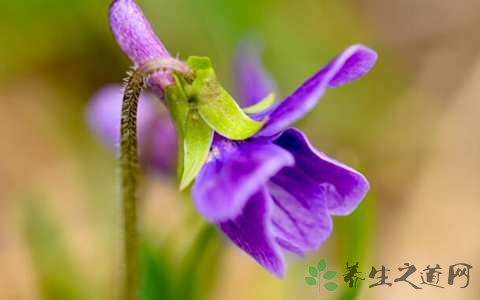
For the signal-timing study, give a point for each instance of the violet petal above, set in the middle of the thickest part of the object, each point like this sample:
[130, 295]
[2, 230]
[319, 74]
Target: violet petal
[234, 173]
[342, 187]
[351, 64]
[252, 232]
[300, 217]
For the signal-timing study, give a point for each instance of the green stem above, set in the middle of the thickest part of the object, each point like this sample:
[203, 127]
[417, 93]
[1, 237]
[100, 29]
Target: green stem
[129, 168]
[129, 177]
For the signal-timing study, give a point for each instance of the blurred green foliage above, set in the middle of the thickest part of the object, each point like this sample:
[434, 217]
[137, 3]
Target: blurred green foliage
[355, 239]
[190, 279]
[56, 273]
[162, 277]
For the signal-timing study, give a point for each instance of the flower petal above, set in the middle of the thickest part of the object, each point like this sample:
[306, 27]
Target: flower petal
[252, 81]
[134, 33]
[342, 187]
[351, 64]
[300, 217]
[234, 173]
[252, 232]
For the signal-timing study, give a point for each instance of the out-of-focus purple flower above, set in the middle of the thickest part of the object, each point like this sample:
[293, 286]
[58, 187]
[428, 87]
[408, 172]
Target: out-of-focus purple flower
[162, 149]
[157, 142]
[275, 192]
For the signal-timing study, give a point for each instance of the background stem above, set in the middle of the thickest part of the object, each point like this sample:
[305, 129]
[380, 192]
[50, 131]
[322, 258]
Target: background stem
[129, 177]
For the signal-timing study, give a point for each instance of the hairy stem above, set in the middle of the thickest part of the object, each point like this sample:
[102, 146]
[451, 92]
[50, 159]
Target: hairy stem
[129, 177]
[129, 167]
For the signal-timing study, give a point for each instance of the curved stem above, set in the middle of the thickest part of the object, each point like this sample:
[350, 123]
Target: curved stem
[129, 177]
[129, 167]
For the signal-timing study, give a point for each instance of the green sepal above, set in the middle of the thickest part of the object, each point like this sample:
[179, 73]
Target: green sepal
[199, 63]
[194, 135]
[216, 106]
[266, 103]
[177, 103]
[196, 146]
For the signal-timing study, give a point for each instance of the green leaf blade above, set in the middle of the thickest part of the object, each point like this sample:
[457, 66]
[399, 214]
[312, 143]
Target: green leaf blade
[321, 265]
[330, 286]
[310, 280]
[200, 267]
[313, 271]
[329, 275]
[156, 269]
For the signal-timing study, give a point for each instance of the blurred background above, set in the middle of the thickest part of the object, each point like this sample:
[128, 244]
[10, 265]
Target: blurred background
[411, 126]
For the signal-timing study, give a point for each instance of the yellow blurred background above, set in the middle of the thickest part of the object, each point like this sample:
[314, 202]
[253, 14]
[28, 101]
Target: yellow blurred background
[411, 126]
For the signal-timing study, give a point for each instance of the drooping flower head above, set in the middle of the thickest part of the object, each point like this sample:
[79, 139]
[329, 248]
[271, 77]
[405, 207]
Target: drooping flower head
[270, 191]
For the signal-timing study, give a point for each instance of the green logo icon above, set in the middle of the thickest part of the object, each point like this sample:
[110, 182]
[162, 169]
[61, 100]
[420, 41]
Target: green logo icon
[317, 276]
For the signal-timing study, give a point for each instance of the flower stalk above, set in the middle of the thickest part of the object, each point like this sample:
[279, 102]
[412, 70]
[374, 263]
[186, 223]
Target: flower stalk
[129, 178]
[129, 164]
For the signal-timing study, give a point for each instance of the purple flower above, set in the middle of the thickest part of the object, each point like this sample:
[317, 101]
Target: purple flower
[273, 192]
[157, 141]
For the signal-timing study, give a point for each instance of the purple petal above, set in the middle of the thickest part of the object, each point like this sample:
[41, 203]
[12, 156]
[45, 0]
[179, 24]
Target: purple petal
[300, 217]
[234, 173]
[252, 81]
[341, 187]
[252, 232]
[351, 64]
[134, 33]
